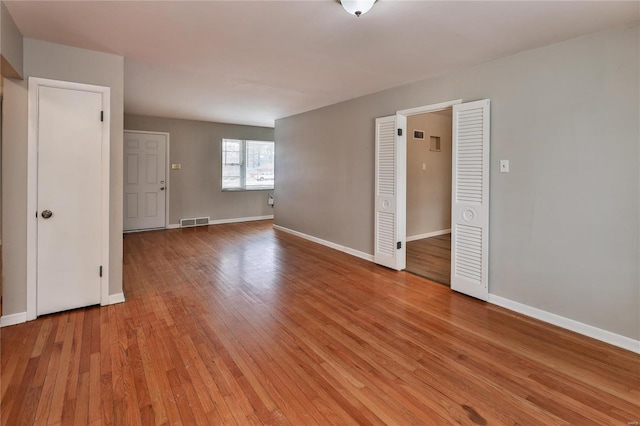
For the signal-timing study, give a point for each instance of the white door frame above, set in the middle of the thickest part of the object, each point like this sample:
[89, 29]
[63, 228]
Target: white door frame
[406, 113]
[166, 179]
[32, 186]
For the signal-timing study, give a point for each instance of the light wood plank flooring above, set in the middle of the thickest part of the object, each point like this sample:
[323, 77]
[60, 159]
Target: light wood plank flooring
[431, 258]
[240, 324]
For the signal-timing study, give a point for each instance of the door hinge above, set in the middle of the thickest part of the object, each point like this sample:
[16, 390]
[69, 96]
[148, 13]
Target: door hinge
[399, 245]
[399, 132]
[100, 270]
[101, 115]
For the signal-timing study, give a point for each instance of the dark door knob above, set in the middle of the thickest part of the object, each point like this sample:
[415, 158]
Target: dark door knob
[162, 189]
[47, 214]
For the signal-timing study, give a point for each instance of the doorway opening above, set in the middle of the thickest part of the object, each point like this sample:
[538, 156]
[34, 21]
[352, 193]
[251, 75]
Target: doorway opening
[428, 198]
[470, 143]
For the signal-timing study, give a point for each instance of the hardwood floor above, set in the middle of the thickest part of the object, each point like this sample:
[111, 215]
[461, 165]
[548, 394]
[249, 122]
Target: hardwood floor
[241, 324]
[431, 258]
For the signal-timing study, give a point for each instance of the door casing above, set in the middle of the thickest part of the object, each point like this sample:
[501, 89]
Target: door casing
[32, 186]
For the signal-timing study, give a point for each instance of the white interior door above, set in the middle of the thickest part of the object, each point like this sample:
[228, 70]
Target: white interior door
[390, 192]
[144, 180]
[470, 199]
[69, 199]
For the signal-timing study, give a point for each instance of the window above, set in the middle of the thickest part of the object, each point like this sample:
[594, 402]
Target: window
[247, 165]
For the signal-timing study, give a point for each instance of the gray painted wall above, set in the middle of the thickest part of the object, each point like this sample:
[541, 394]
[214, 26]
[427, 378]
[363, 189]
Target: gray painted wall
[195, 190]
[564, 229]
[10, 40]
[1, 175]
[429, 190]
[48, 60]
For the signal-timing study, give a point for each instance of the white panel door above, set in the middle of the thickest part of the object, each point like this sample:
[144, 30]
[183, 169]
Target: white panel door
[69, 224]
[390, 192]
[144, 180]
[470, 199]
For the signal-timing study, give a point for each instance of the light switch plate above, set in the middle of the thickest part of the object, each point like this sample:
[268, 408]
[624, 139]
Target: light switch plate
[504, 166]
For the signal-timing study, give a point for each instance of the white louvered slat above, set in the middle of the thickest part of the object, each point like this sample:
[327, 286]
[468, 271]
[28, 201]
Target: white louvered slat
[468, 246]
[469, 160]
[385, 224]
[386, 158]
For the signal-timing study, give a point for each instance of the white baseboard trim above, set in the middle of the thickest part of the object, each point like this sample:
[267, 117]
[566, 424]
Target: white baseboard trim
[344, 249]
[13, 319]
[239, 219]
[133, 231]
[20, 317]
[222, 221]
[428, 235]
[116, 298]
[563, 322]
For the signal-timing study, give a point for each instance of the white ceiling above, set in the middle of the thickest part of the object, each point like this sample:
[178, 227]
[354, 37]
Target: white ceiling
[251, 62]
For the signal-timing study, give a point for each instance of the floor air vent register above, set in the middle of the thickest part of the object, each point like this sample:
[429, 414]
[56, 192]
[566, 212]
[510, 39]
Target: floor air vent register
[196, 221]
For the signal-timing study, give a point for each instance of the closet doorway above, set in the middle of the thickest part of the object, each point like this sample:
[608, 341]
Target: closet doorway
[469, 188]
[429, 152]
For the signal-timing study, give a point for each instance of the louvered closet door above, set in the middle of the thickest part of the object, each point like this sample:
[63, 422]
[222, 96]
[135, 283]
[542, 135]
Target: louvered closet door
[390, 192]
[470, 199]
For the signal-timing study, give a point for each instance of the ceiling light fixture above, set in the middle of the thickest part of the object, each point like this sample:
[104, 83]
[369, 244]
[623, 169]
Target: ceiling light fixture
[357, 7]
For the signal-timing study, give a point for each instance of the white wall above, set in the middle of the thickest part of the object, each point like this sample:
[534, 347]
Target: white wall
[48, 60]
[565, 222]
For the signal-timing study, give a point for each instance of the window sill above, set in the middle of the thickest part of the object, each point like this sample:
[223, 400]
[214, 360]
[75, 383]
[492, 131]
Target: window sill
[266, 188]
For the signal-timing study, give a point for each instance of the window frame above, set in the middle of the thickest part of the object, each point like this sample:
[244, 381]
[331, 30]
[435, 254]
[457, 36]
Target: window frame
[243, 166]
